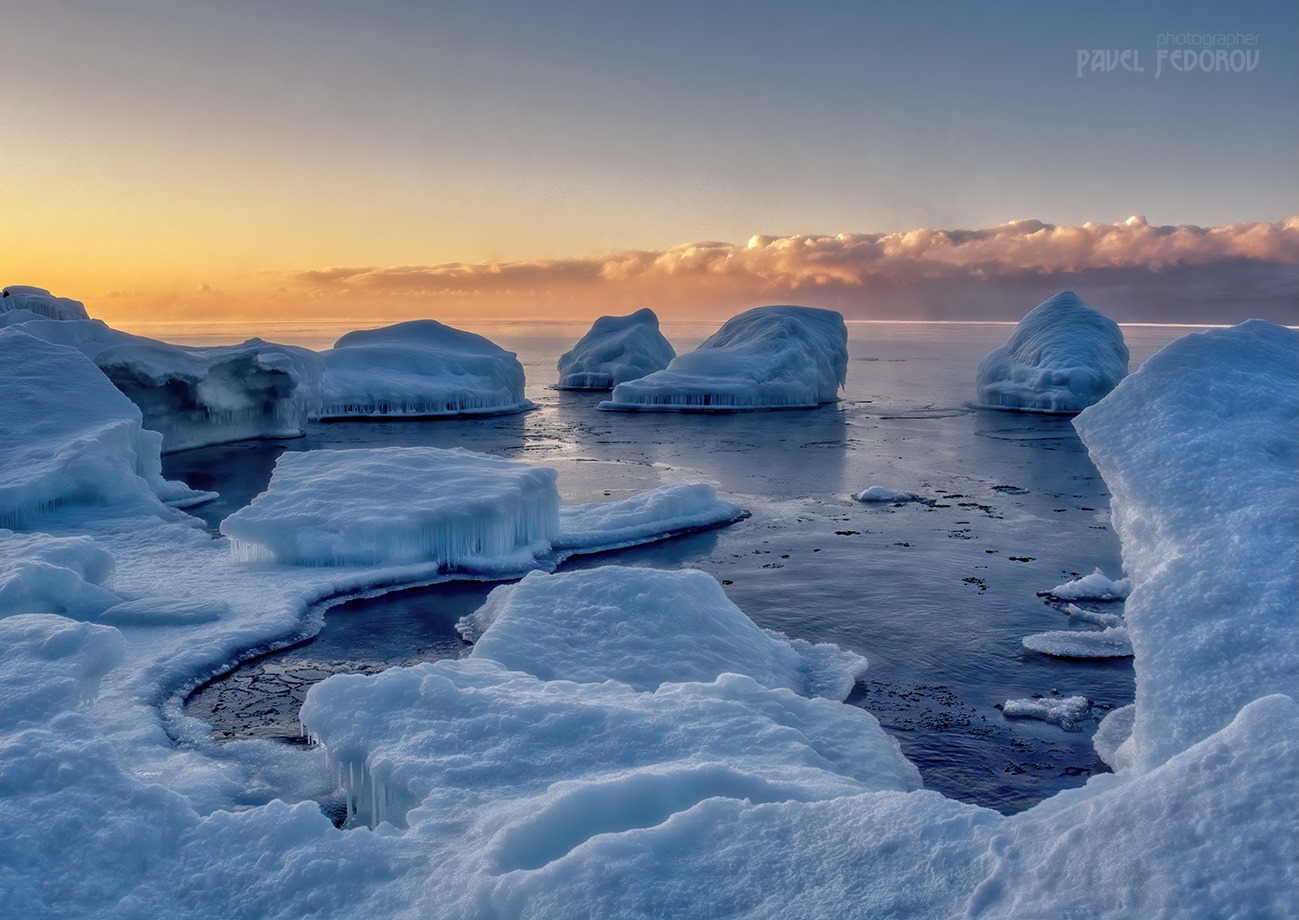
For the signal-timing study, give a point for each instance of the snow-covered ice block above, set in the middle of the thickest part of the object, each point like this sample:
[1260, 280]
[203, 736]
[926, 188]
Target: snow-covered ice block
[1199, 449]
[1065, 711]
[1062, 357]
[44, 574]
[614, 350]
[71, 438]
[644, 628]
[21, 298]
[778, 357]
[398, 505]
[1094, 587]
[884, 494]
[643, 518]
[420, 369]
[1112, 642]
[50, 665]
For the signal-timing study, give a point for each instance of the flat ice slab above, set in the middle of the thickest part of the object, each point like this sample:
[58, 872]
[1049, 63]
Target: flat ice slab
[614, 350]
[1066, 643]
[1062, 357]
[420, 369]
[779, 357]
[672, 509]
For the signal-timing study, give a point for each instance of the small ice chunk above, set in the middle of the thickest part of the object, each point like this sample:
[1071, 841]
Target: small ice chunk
[1064, 643]
[614, 350]
[1095, 617]
[778, 357]
[40, 303]
[1093, 587]
[881, 494]
[398, 505]
[1065, 711]
[643, 518]
[1062, 357]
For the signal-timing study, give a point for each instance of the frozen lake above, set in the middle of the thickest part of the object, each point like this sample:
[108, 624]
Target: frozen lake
[936, 595]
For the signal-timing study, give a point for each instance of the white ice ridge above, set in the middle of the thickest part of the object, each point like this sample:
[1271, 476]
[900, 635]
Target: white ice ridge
[1112, 642]
[420, 369]
[778, 357]
[1199, 449]
[614, 350]
[1062, 357]
[38, 303]
[644, 628]
[884, 494]
[666, 510]
[70, 438]
[1065, 711]
[397, 506]
[1094, 587]
[195, 396]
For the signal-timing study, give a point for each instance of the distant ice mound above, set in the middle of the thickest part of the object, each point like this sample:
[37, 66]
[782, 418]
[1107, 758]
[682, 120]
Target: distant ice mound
[615, 349]
[644, 628]
[884, 495]
[395, 506]
[1062, 357]
[197, 396]
[71, 438]
[778, 357]
[39, 303]
[1199, 449]
[420, 369]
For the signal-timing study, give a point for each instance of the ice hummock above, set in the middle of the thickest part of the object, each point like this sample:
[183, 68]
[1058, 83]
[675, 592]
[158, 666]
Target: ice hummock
[420, 369]
[196, 396]
[1062, 357]
[778, 357]
[398, 506]
[614, 350]
[71, 438]
[643, 628]
[45, 574]
[1199, 449]
[35, 302]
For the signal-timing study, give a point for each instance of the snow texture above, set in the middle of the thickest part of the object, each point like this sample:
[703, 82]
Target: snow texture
[36, 302]
[45, 574]
[1112, 642]
[614, 350]
[1093, 587]
[1065, 711]
[1199, 449]
[652, 515]
[875, 494]
[70, 438]
[1062, 357]
[643, 628]
[397, 506]
[420, 369]
[778, 357]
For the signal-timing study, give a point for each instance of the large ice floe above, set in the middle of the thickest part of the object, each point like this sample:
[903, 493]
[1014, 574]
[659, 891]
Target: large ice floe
[614, 350]
[1062, 357]
[778, 357]
[420, 369]
[622, 743]
[193, 396]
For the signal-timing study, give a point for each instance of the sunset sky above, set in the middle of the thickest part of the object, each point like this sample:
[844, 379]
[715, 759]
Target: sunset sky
[287, 159]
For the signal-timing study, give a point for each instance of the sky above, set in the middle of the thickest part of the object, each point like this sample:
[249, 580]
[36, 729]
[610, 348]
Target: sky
[306, 158]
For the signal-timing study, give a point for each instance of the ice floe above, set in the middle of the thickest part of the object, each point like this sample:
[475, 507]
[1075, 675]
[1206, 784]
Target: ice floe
[1111, 642]
[883, 494]
[1065, 711]
[1094, 587]
[651, 515]
[614, 350]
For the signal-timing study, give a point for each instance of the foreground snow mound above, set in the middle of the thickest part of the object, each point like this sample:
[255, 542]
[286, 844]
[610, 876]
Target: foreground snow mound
[1093, 587]
[1062, 357]
[767, 358]
[420, 369]
[38, 302]
[70, 438]
[615, 349]
[1199, 449]
[644, 628]
[1112, 642]
[672, 509]
[199, 396]
[44, 574]
[51, 664]
[398, 505]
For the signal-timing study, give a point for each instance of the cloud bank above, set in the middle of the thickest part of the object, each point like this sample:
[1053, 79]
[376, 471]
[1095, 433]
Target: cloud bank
[1134, 271]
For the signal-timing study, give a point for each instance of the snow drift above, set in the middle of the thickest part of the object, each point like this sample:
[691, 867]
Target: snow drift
[1062, 357]
[614, 350]
[420, 369]
[778, 357]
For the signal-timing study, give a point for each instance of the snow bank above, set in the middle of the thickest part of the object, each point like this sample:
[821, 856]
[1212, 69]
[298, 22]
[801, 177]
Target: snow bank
[884, 494]
[643, 628]
[1093, 587]
[767, 358]
[653, 515]
[45, 574]
[1199, 449]
[1062, 357]
[614, 350]
[39, 303]
[1065, 711]
[420, 369]
[396, 506]
[1067, 643]
[199, 396]
[51, 665]
[70, 438]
